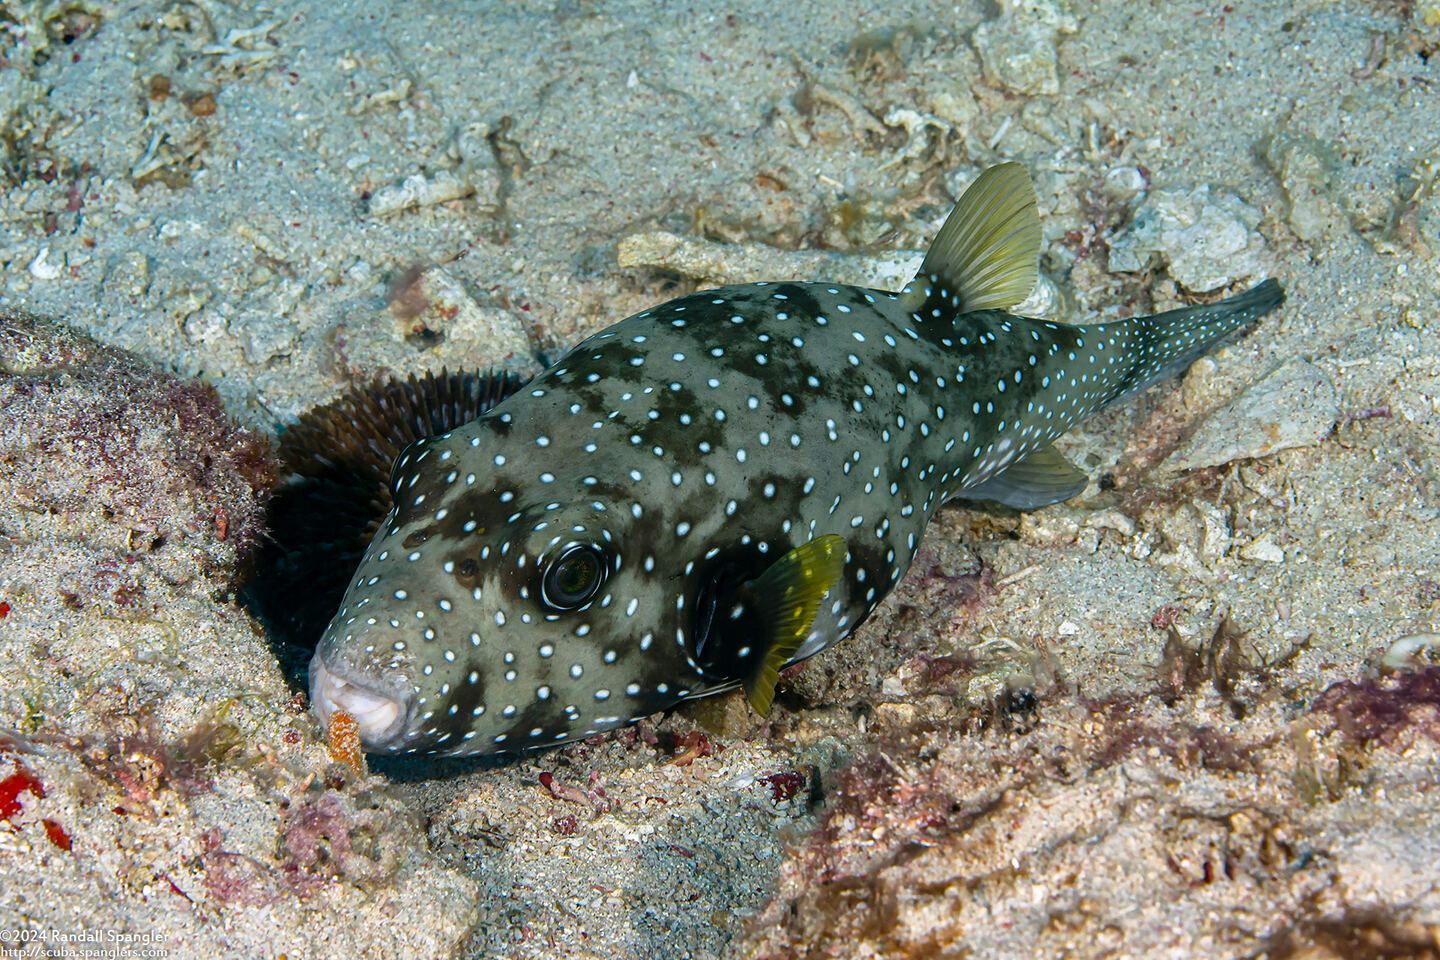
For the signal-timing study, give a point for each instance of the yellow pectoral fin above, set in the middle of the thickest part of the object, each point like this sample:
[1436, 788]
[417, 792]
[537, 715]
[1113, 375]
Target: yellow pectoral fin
[790, 594]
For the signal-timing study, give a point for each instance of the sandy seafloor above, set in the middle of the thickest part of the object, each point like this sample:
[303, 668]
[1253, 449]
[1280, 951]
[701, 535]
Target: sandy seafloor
[1006, 761]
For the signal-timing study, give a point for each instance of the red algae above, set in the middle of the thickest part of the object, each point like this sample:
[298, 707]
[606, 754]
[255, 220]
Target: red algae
[23, 780]
[694, 745]
[784, 786]
[1376, 711]
[18, 782]
[57, 834]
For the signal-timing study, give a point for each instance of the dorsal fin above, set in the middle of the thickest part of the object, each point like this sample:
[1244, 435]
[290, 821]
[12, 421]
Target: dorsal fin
[986, 256]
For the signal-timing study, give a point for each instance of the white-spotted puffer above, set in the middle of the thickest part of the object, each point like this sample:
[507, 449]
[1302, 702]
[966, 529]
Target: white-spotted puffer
[709, 491]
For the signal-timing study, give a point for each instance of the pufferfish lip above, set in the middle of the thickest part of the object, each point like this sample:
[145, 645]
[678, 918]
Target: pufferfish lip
[380, 717]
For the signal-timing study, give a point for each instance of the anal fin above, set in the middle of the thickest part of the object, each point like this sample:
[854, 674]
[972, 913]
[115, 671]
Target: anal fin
[1042, 478]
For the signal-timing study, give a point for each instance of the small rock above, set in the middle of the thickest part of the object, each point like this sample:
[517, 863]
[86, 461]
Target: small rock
[265, 339]
[1263, 550]
[723, 263]
[1295, 405]
[1303, 167]
[1200, 384]
[1216, 537]
[1265, 483]
[443, 186]
[1207, 239]
[1123, 183]
[897, 715]
[447, 308]
[1017, 49]
[1048, 527]
[128, 274]
[917, 127]
[207, 325]
[1405, 652]
[1184, 560]
[42, 269]
[1112, 519]
[956, 107]
[471, 146]
[1196, 536]
[1019, 59]
[1045, 302]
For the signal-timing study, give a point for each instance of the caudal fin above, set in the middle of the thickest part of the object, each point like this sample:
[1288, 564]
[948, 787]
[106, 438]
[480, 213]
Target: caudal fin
[1167, 343]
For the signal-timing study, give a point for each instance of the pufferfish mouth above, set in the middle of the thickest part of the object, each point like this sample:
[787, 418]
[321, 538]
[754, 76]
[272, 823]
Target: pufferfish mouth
[380, 717]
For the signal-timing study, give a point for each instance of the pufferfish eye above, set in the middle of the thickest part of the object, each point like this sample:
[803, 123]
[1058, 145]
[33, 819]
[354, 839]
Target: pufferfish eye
[574, 577]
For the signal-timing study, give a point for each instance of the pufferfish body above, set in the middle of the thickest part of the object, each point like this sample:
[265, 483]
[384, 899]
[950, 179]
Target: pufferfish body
[716, 488]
